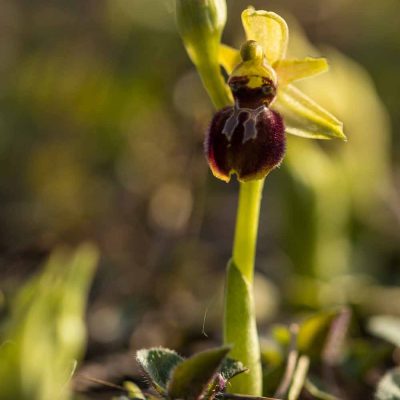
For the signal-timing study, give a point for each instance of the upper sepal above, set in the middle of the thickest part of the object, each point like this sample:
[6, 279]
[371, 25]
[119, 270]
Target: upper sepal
[269, 30]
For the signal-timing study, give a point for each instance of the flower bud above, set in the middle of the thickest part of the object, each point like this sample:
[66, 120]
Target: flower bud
[201, 23]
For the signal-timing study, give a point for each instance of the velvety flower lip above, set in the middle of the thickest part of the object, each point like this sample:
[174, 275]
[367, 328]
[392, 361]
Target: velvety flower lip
[248, 139]
[249, 152]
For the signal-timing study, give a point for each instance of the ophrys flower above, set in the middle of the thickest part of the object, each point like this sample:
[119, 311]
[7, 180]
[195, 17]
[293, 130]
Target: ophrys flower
[248, 138]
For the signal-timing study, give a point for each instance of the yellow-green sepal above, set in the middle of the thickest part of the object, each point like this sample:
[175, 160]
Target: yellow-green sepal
[269, 30]
[304, 117]
[295, 69]
[228, 58]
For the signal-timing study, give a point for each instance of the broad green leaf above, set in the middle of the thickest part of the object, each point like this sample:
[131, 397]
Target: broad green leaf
[240, 328]
[190, 379]
[294, 69]
[269, 30]
[385, 327]
[231, 368]
[389, 386]
[158, 363]
[228, 57]
[304, 117]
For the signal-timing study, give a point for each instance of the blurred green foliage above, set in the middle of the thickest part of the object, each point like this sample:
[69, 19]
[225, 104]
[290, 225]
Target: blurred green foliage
[45, 335]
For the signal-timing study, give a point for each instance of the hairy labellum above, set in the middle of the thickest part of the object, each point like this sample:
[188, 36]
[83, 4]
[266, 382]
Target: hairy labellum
[247, 139]
[244, 141]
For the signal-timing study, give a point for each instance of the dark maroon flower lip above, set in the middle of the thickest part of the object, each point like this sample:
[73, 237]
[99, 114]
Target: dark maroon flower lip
[247, 139]
[246, 142]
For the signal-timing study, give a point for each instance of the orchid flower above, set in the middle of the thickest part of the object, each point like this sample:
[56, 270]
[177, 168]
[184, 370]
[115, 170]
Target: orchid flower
[248, 138]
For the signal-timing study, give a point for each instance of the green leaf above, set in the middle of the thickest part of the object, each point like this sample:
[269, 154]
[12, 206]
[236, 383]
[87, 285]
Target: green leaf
[304, 117]
[190, 379]
[46, 333]
[294, 69]
[240, 329]
[231, 368]
[269, 30]
[385, 327]
[157, 363]
[389, 386]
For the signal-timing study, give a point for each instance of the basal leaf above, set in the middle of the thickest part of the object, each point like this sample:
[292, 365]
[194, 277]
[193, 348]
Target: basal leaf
[231, 368]
[191, 378]
[158, 363]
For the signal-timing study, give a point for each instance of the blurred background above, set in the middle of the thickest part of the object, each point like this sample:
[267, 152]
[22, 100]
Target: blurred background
[102, 120]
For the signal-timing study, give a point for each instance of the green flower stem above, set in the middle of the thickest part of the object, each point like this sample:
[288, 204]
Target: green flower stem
[240, 328]
[244, 245]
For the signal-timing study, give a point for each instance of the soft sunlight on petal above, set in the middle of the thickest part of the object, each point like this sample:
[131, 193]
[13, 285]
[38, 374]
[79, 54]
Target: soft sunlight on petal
[269, 30]
[294, 69]
[228, 57]
[304, 117]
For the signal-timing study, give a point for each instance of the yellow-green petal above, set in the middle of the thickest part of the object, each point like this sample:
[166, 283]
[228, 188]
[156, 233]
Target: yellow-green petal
[294, 69]
[269, 30]
[228, 57]
[304, 117]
